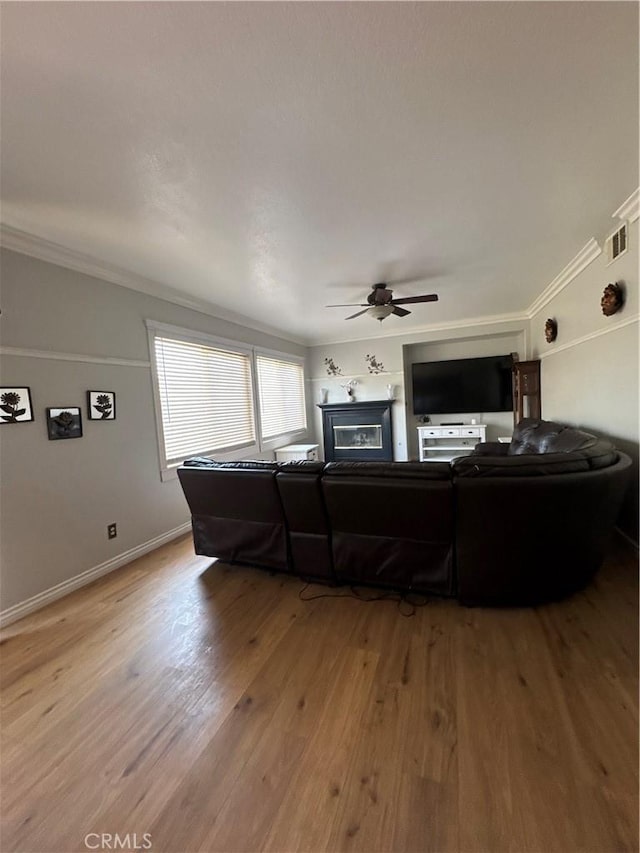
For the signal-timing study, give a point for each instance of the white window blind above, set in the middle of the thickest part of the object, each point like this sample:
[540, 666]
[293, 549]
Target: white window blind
[281, 395]
[206, 398]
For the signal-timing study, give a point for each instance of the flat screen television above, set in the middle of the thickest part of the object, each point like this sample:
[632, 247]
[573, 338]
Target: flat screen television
[463, 385]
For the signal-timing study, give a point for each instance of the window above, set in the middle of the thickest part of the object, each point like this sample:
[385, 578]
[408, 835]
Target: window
[218, 398]
[281, 396]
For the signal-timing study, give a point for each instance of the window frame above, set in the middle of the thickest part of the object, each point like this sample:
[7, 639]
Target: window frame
[168, 471]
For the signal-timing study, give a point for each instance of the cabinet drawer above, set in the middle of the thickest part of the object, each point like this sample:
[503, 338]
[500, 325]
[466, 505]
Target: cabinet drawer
[430, 433]
[470, 431]
[446, 431]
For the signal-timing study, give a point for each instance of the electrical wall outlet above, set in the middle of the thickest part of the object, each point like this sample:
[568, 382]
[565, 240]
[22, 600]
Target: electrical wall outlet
[112, 530]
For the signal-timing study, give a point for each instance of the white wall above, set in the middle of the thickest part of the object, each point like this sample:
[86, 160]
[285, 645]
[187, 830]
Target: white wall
[396, 354]
[590, 373]
[57, 497]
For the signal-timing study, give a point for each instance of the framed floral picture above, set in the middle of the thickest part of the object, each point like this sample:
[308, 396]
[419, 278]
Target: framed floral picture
[101, 405]
[15, 405]
[64, 422]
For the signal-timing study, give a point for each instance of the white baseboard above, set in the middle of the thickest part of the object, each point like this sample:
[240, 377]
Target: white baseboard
[11, 614]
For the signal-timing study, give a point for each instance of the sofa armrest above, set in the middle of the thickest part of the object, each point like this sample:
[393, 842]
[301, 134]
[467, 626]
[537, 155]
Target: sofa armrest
[491, 448]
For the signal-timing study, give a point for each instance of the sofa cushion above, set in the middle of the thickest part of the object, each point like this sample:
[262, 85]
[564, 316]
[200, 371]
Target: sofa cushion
[300, 466]
[533, 465]
[536, 436]
[533, 437]
[242, 465]
[397, 470]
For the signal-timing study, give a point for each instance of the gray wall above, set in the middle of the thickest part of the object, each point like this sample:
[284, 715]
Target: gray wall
[498, 423]
[396, 354]
[57, 497]
[590, 373]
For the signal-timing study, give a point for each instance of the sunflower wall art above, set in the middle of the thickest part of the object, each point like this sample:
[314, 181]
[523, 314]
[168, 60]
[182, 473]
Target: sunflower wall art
[15, 405]
[101, 405]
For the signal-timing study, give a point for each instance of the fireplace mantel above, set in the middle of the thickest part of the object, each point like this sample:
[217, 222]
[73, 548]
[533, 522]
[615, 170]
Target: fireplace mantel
[357, 431]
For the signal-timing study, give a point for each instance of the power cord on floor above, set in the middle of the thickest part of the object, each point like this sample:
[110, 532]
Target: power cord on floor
[410, 601]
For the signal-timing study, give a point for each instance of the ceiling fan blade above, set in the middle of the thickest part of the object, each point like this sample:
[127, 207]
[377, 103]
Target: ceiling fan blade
[400, 312]
[408, 300]
[347, 305]
[358, 314]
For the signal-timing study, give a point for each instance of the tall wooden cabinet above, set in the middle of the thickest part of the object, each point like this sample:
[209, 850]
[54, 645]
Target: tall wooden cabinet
[527, 401]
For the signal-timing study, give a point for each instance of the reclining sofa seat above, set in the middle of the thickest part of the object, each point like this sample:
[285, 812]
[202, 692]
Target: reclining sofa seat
[533, 517]
[392, 524]
[236, 512]
[298, 484]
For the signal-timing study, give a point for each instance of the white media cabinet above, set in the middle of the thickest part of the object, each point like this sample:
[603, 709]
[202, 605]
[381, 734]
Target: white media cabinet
[443, 443]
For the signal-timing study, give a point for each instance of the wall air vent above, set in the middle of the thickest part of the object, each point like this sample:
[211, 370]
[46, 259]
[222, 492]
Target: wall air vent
[617, 243]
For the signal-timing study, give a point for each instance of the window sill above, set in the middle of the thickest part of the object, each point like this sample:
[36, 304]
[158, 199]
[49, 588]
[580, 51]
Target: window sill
[170, 472]
[271, 444]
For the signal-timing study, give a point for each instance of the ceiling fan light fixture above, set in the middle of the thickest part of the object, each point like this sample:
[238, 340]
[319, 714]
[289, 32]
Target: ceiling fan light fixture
[379, 312]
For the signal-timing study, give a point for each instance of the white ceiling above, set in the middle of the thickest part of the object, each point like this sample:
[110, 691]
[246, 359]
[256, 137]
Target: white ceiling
[274, 157]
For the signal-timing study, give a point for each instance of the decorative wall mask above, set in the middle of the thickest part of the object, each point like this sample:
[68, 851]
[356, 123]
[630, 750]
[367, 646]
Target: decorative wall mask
[332, 367]
[373, 365]
[612, 299]
[550, 330]
[15, 405]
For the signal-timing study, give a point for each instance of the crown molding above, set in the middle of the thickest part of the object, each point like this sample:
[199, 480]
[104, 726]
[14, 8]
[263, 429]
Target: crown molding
[581, 261]
[629, 209]
[53, 253]
[453, 325]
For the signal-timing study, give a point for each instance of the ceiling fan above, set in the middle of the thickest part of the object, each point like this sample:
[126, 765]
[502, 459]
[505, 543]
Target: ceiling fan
[380, 303]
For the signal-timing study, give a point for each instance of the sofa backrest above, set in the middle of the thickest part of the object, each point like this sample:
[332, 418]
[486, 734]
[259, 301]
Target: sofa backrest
[392, 523]
[524, 540]
[236, 511]
[534, 465]
[300, 491]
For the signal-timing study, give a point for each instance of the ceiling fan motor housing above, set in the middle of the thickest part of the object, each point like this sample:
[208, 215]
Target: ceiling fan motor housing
[380, 295]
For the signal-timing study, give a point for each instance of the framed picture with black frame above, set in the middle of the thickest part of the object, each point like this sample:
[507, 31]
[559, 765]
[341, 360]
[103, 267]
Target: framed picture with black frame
[101, 405]
[15, 404]
[64, 422]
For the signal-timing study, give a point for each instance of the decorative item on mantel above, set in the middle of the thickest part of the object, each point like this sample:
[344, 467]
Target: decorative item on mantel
[390, 392]
[550, 330]
[612, 299]
[324, 395]
[349, 389]
[332, 367]
[373, 365]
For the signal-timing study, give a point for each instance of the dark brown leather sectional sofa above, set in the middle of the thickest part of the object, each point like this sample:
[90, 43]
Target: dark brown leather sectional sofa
[511, 524]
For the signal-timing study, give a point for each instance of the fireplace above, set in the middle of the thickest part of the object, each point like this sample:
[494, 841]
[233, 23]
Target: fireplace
[357, 431]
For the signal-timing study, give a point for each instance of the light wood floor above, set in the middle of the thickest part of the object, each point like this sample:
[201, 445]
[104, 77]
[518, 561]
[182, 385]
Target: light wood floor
[210, 707]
